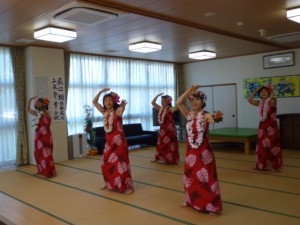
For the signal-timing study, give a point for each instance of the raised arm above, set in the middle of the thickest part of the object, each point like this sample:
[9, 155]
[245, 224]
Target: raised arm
[96, 99]
[121, 109]
[180, 100]
[28, 109]
[251, 100]
[154, 104]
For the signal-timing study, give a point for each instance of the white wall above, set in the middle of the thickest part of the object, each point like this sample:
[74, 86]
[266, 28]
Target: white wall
[45, 62]
[234, 70]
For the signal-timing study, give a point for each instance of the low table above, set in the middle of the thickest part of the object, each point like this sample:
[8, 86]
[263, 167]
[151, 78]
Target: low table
[228, 134]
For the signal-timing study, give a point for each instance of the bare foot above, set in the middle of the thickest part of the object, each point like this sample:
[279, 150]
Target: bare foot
[214, 213]
[129, 191]
[103, 187]
[153, 161]
[183, 205]
[38, 173]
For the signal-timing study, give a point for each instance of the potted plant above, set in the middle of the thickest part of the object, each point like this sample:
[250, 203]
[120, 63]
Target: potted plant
[88, 128]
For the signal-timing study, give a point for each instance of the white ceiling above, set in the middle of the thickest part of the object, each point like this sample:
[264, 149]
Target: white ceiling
[228, 27]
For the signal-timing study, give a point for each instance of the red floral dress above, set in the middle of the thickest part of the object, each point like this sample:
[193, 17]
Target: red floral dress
[115, 161]
[200, 174]
[167, 148]
[44, 147]
[268, 147]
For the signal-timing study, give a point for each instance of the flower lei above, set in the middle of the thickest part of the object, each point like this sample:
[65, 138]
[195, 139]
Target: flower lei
[108, 124]
[37, 120]
[161, 114]
[200, 128]
[263, 109]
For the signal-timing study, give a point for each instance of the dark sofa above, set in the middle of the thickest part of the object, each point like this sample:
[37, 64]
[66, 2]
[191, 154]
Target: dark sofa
[135, 135]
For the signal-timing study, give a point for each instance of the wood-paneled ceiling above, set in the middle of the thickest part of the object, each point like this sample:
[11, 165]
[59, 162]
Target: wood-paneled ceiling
[228, 27]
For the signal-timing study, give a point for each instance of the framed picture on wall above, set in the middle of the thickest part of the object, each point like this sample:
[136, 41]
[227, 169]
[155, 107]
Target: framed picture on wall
[284, 86]
[278, 60]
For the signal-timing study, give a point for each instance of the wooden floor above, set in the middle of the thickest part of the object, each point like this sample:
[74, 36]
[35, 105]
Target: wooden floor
[73, 197]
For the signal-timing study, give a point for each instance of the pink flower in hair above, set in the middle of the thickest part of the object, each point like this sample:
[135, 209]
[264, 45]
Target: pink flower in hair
[115, 97]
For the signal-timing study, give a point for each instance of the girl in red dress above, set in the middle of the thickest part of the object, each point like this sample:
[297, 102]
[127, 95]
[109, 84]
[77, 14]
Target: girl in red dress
[43, 144]
[268, 146]
[115, 161]
[200, 173]
[167, 150]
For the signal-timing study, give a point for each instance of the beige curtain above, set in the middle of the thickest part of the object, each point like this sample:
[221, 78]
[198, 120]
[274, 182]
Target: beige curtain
[178, 68]
[67, 74]
[18, 60]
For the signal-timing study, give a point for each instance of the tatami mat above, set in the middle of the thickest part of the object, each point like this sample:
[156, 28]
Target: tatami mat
[74, 196]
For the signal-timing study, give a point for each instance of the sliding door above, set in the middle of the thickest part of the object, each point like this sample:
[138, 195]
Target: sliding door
[222, 98]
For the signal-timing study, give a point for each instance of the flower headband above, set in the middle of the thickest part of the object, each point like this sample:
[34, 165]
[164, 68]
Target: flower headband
[198, 94]
[115, 97]
[269, 88]
[168, 98]
[45, 101]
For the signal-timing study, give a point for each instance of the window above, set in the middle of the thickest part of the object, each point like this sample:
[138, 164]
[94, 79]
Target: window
[8, 110]
[136, 81]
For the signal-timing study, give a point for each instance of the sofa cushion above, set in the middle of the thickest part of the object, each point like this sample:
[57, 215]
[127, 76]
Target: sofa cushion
[135, 135]
[133, 129]
[144, 139]
[99, 131]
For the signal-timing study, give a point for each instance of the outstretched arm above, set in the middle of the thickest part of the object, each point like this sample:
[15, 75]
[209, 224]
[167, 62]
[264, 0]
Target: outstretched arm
[154, 104]
[251, 100]
[180, 100]
[96, 99]
[214, 118]
[28, 109]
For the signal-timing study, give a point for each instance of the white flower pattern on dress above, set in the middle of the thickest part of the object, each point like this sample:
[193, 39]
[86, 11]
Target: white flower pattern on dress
[45, 152]
[122, 167]
[118, 139]
[210, 208]
[187, 181]
[275, 150]
[166, 139]
[112, 158]
[43, 130]
[118, 182]
[260, 133]
[266, 142]
[202, 175]
[215, 188]
[190, 160]
[39, 144]
[207, 157]
[270, 131]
